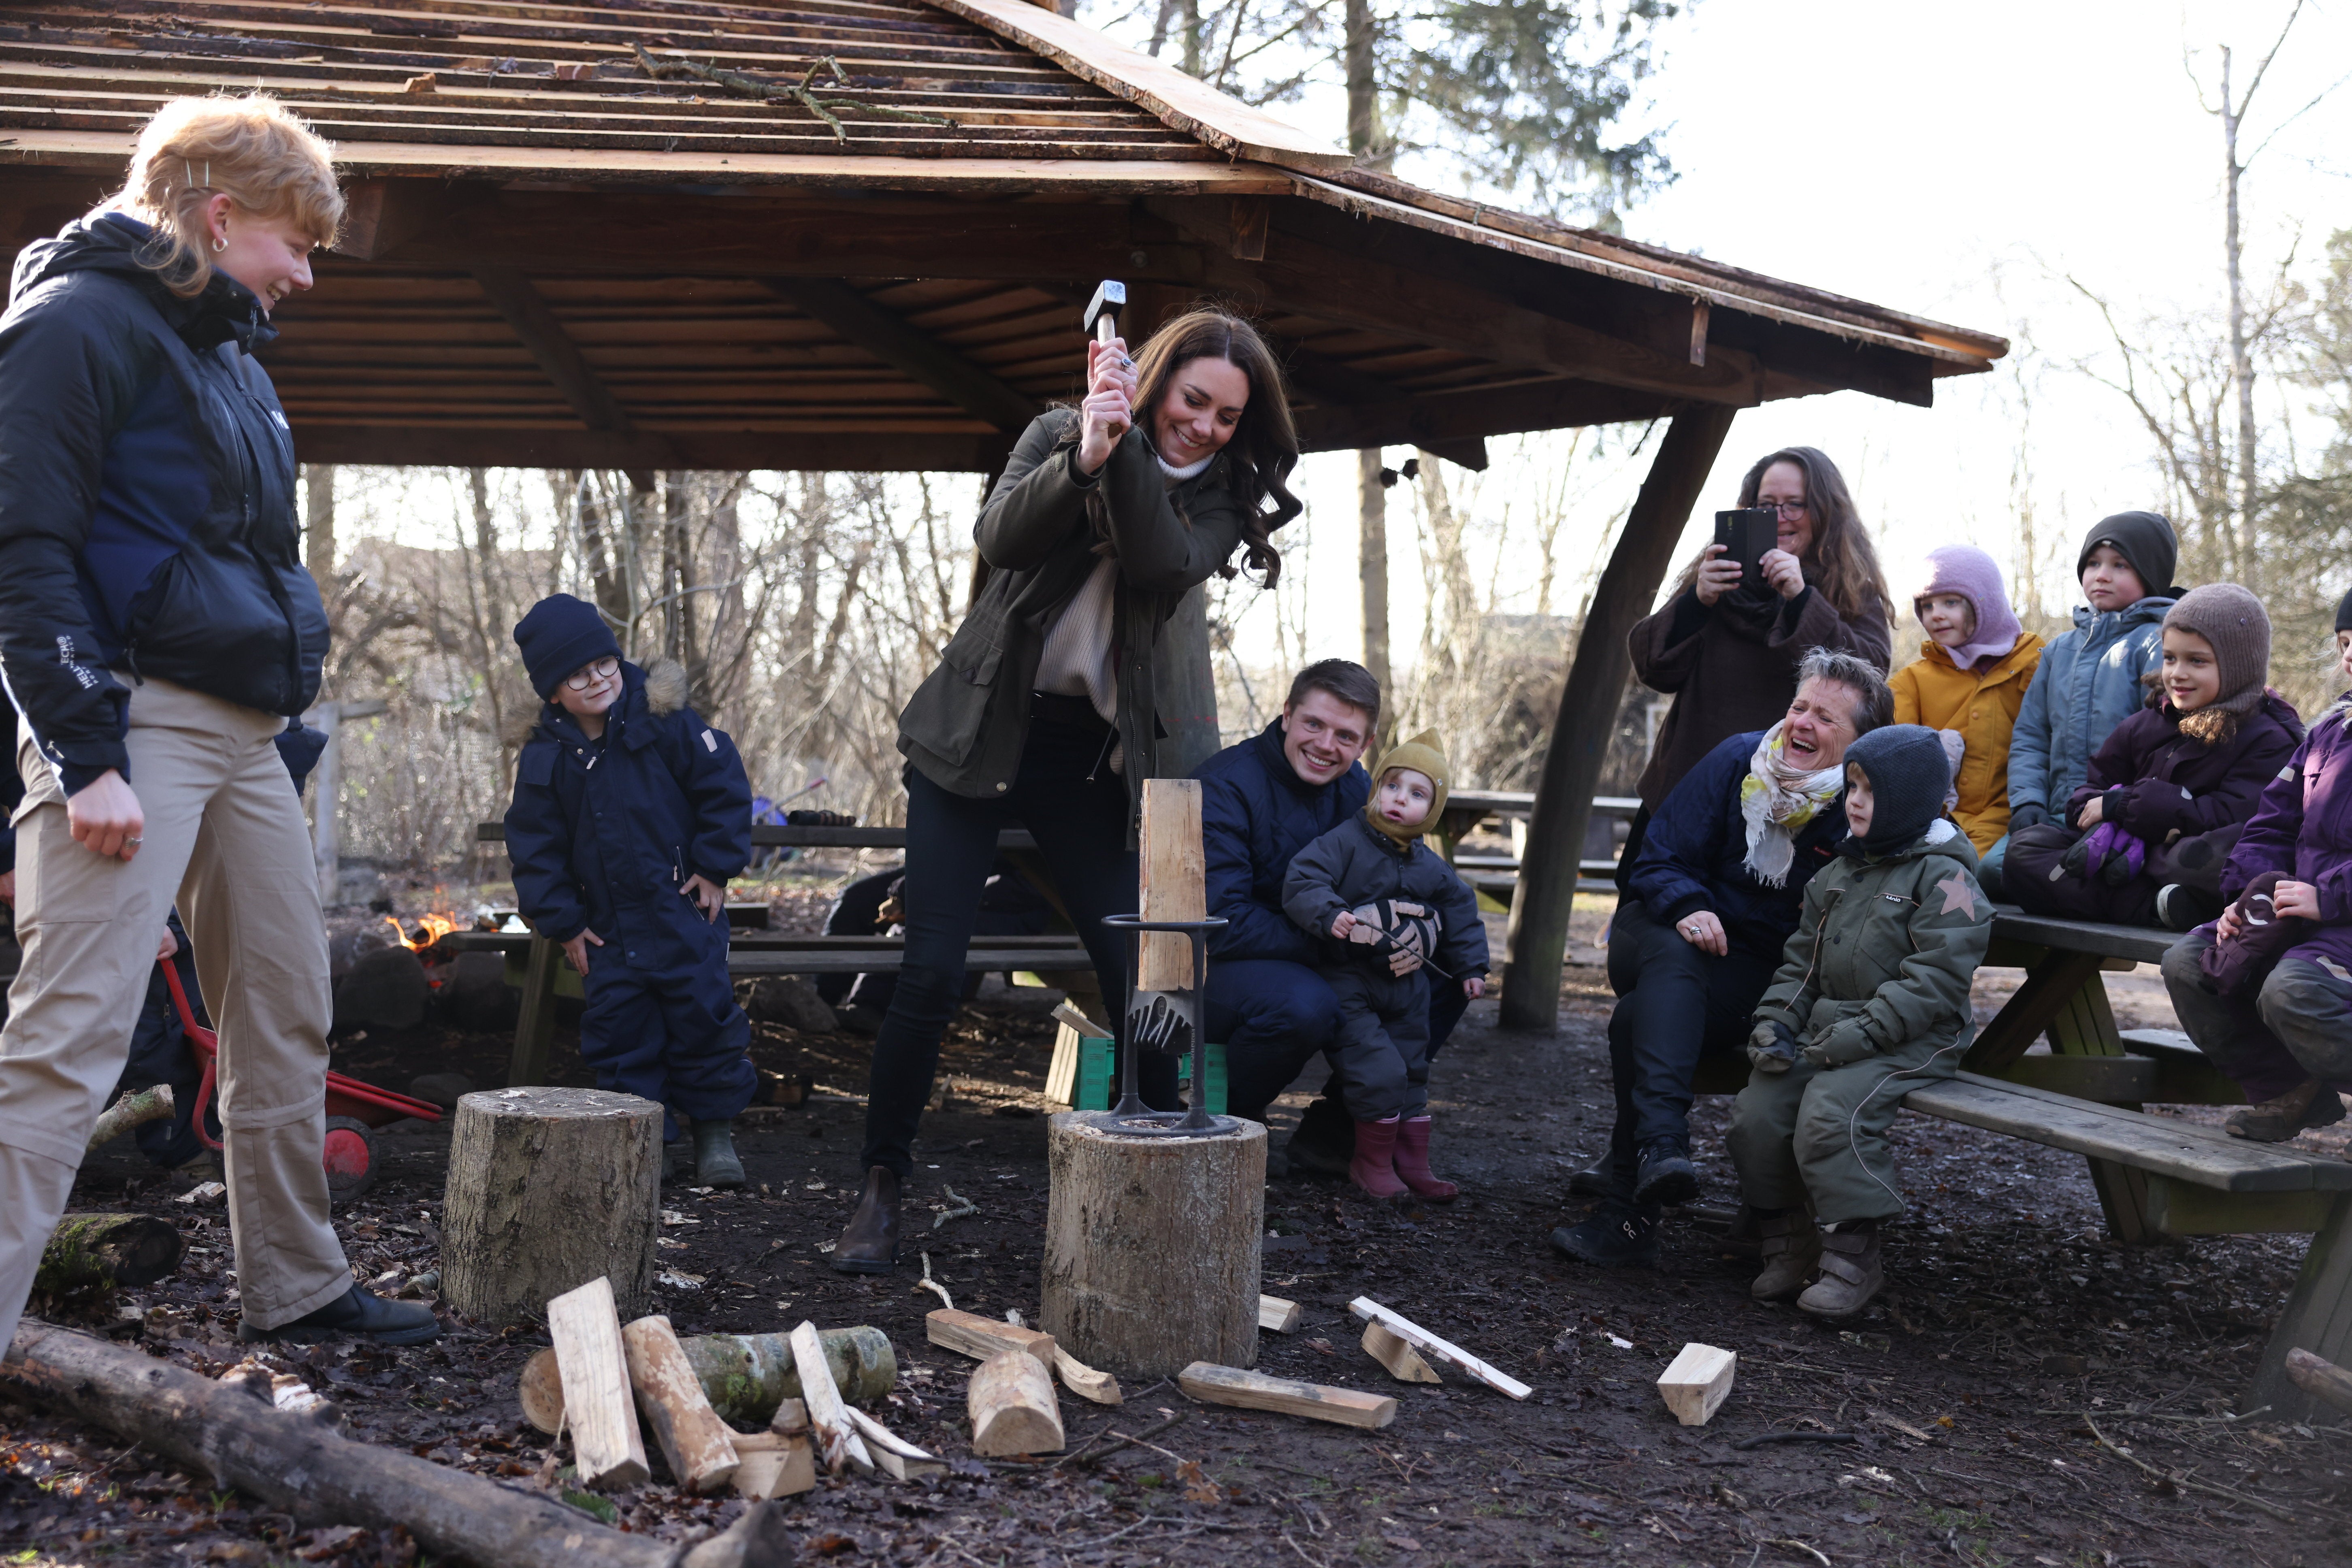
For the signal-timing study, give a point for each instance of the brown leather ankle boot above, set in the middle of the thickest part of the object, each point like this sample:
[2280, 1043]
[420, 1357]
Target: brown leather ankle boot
[869, 1243]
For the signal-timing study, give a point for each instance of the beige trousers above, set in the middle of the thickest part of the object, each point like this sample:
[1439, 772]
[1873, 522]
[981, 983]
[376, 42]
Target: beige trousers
[223, 837]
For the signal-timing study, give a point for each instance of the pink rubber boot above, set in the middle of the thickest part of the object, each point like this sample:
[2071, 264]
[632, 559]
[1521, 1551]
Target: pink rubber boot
[1413, 1162]
[1373, 1168]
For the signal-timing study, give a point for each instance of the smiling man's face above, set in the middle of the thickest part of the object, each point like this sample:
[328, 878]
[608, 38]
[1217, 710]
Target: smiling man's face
[1322, 735]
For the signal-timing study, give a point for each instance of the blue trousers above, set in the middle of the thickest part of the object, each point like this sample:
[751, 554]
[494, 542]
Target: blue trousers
[661, 1021]
[1273, 1017]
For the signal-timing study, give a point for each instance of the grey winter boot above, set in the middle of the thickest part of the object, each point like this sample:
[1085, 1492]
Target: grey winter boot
[715, 1161]
[1852, 1274]
[1791, 1249]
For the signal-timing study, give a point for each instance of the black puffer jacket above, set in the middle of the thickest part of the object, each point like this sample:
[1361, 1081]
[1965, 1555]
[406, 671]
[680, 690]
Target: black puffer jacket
[147, 520]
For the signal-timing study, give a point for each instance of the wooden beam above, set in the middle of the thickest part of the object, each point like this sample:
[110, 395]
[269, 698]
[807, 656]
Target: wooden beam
[1183, 102]
[1537, 936]
[891, 339]
[1432, 420]
[1337, 382]
[540, 447]
[535, 323]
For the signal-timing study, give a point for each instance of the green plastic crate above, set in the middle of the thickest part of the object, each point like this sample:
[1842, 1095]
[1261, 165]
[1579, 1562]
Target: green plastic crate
[1094, 1084]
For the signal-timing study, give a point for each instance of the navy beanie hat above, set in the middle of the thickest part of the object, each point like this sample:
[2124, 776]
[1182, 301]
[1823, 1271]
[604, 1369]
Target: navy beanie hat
[2344, 614]
[558, 635]
[1908, 779]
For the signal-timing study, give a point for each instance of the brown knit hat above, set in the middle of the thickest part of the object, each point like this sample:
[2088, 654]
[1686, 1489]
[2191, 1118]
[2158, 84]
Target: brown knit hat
[1424, 755]
[2235, 623]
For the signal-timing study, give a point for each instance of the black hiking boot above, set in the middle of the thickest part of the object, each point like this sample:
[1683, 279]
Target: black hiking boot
[1666, 1175]
[1618, 1235]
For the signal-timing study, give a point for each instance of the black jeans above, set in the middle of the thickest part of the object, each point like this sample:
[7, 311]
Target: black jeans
[1076, 807]
[1674, 1004]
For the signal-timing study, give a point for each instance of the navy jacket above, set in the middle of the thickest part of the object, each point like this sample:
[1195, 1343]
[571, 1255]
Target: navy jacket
[147, 518]
[1695, 857]
[604, 834]
[1256, 813]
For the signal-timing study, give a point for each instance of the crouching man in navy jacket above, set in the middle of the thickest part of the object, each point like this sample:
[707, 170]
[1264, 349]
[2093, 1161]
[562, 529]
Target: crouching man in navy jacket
[1262, 802]
[630, 816]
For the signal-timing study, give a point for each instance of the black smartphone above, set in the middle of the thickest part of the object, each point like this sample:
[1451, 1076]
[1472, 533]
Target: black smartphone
[1746, 534]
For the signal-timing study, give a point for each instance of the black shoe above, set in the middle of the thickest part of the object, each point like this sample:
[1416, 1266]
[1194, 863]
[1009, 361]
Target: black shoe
[869, 1243]
[1668, 1175]
[2182, 908]
[1593, 1181]
[1618, 1235]
[1325, 1142]
[355, 1315]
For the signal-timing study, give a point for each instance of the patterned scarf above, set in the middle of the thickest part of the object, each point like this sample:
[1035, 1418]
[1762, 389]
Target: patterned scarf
[1778, 800]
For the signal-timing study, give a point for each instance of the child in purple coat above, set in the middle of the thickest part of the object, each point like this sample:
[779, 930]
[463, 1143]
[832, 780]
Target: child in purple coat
[2149, 831]
[2287, 1036]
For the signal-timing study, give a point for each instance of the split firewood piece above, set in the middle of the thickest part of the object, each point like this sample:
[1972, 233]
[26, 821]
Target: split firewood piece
[788, 1468]
[1403, 1363]
[899, 1458]
[700, 1448]
[595, 1369]
[2320, 1378]
[107, 1252]
[1213, 1384]
[1443, 1351]
[792, 1418]
[1012, 1406]
[1696, 1381]
[969, 1333]
[1281, 1315]
[1084, 1381]
[750, 1442]
[836, 1440]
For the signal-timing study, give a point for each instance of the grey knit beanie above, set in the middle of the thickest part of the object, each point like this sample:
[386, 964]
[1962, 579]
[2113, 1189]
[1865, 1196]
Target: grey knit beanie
[1909, 776]
[2235, 623]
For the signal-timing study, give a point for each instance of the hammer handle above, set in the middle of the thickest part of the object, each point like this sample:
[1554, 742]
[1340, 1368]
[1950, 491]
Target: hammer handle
[1105, 327]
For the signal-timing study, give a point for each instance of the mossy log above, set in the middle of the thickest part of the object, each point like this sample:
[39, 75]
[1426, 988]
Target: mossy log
[107, 1252]
[744, 1376]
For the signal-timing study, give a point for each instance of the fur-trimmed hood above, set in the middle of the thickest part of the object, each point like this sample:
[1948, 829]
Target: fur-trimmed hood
[666, 686]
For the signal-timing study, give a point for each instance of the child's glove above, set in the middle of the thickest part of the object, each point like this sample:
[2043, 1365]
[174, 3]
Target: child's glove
[1846, 1041]
[821, 818]
[1772, 1047]
[2108, 853]
[2031, 814]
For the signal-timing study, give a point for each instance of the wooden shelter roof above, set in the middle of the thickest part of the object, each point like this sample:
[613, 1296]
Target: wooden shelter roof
[856, 233]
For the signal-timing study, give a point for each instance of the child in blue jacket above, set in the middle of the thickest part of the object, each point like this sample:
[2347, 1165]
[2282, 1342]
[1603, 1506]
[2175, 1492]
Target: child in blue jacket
[630, 816]
[2091, 678]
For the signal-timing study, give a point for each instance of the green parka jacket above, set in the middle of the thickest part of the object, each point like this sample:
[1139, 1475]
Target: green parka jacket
[1886, 951]
[966, 723]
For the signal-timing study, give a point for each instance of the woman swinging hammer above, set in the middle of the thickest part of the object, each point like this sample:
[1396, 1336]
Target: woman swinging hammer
[1041, 712]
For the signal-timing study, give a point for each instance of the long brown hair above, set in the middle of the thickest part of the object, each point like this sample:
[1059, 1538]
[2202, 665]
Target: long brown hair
[1844, 565]
[1263, 446]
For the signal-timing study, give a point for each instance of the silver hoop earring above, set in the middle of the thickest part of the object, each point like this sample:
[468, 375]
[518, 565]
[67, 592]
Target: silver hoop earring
[220, 244]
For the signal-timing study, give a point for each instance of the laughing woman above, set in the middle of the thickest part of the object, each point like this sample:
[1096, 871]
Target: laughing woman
[157, 630]
[1041, 713]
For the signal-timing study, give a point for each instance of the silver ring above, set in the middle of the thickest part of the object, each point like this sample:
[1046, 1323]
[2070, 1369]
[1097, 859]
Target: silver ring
[134, 840]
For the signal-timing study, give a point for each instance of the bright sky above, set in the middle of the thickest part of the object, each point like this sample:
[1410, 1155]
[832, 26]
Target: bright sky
[1957, 162]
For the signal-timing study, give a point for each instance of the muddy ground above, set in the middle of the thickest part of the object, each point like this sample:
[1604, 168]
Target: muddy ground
[1977, 1392]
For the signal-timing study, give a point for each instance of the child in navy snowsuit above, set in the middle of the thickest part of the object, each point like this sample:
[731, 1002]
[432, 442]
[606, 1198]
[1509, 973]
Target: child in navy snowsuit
[1372, 890]
[630, 816]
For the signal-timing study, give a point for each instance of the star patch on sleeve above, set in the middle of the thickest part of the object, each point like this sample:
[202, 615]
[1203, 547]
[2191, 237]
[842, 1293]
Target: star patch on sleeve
[1960, 894]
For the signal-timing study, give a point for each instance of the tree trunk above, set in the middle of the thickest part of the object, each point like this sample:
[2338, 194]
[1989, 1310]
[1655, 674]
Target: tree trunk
[2247, 565]
[549, 1188]
[1151, 1247]
[1589, 702]
[1372, 569]
[319, 519]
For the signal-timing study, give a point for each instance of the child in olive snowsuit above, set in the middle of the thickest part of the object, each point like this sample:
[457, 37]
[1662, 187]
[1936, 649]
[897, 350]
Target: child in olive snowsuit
[1372, 890]
[1871, 1001]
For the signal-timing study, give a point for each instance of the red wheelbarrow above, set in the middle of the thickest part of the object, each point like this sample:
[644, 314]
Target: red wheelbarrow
[354, 1110]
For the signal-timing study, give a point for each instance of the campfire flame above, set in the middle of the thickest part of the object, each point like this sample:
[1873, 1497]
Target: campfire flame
[430, 928]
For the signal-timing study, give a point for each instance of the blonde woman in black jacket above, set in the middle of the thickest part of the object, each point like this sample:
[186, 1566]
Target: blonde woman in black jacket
[1041, 713]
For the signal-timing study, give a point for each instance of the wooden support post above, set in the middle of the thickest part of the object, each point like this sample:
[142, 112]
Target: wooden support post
[2317, 1318]
[1174, 873]
[594, 1366]
[1150, 1262]
[1546, 895]
[549, 1188]
[535, 1025]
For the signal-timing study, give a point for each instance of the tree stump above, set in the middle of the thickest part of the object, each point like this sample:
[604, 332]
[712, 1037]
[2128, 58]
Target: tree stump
[1151, 1247]
[549, 1188]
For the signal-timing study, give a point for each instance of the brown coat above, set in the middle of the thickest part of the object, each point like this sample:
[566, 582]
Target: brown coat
[1732, 668]
[966, 725]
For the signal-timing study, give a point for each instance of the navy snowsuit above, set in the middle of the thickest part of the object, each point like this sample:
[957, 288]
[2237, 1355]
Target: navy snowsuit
[605, 834]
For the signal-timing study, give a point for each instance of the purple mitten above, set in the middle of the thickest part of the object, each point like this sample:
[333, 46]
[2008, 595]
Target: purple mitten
[2126, 856]
[2090, 851]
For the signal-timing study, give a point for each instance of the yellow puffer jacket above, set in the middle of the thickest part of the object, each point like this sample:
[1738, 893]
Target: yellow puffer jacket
[1982, 707]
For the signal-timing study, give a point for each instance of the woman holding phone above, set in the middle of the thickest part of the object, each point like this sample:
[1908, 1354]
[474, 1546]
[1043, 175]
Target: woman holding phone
[1041, 712]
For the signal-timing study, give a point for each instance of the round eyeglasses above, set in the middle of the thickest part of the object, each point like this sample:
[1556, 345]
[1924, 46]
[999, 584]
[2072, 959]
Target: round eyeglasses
[604, 669]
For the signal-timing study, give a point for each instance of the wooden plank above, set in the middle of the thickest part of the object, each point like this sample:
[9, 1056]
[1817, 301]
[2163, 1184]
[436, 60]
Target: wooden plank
[1697, 1382]
[891, 339]
[2186, 1208]
[837, 1440]
[700, 1451]
[2141, 944]
[1173, 871]
[1213, 1384]
[1441, 1351]
[969, 1333]
[593, 1368]
[1281, 1315]
[2109, 1079]
[1402, 1362]
[2047, 987]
